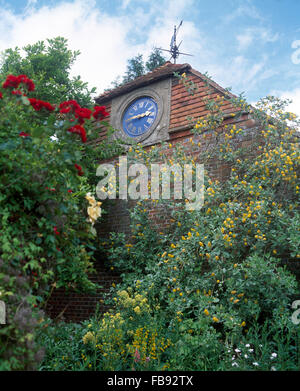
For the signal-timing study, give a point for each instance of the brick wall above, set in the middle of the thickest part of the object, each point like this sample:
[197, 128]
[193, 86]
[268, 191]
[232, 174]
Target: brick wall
[76, 307]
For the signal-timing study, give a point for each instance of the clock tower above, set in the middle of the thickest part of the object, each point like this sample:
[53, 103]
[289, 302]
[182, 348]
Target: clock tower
[140, 109]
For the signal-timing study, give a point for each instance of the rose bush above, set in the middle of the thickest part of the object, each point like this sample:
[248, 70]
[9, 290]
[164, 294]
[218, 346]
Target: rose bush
[46, 240]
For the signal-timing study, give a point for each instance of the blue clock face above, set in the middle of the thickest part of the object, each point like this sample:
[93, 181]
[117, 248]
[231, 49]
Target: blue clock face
[139, 117]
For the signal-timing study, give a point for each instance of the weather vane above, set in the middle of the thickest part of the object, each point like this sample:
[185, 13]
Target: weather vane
[174, 49]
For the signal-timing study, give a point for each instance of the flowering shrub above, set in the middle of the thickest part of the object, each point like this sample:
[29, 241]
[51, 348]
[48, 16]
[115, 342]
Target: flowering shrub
[218, 273]
[46, 240]
[130, 338]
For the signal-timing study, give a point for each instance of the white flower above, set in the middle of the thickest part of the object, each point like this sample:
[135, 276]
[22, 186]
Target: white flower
[246, 356]
[235, 364]
[273, 369]
[273, 355]
[255, 364]
[237, 350]
[250, 350]
[247, 345]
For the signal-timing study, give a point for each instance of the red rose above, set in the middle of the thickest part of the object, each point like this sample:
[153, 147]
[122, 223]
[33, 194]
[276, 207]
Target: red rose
[79, 169]
[38, 104]
[65, 110]
[78, 129]
[14, 82]
[81, 112]
[1, 96]
[100, 112]
[67, 106]
[55, 231]
[17, 92]
[11, 81]
[23, 134]
[28, 82]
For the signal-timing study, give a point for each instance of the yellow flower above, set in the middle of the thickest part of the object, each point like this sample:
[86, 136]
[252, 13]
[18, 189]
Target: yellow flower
[94, 212]
[206, 312]
[215, 319]
[137, 310]
[89, 336]
[243, 324]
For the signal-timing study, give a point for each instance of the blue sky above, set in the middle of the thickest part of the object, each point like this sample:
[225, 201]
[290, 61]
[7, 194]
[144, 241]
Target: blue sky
[252, 46]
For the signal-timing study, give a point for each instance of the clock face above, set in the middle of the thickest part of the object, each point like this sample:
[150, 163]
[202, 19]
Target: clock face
[139, 116]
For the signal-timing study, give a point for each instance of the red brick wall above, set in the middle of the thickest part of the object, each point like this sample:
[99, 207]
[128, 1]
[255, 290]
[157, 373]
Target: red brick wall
[76, 307]
[184, 105]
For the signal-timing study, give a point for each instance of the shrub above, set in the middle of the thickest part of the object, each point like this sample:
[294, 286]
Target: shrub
[218, 272]
[46, 241]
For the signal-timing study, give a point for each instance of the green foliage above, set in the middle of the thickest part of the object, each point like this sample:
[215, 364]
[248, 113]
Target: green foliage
[132, 338]
[155, 60]
[63, 345]
[46, 240]
[49, 65]
[217, 273]
[136, 67]
[18, 350]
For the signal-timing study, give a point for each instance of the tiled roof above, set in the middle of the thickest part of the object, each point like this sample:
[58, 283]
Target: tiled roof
[159, 73]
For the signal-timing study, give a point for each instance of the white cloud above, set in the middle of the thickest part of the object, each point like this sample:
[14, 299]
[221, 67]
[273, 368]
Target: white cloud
[240, 73]
[125, 4]
[257, 35]
[101, 39]
[245, 10]
[293, 95]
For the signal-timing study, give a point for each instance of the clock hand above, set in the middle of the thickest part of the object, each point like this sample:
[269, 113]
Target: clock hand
[139, 115]
[146, 113]
[134, 117]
